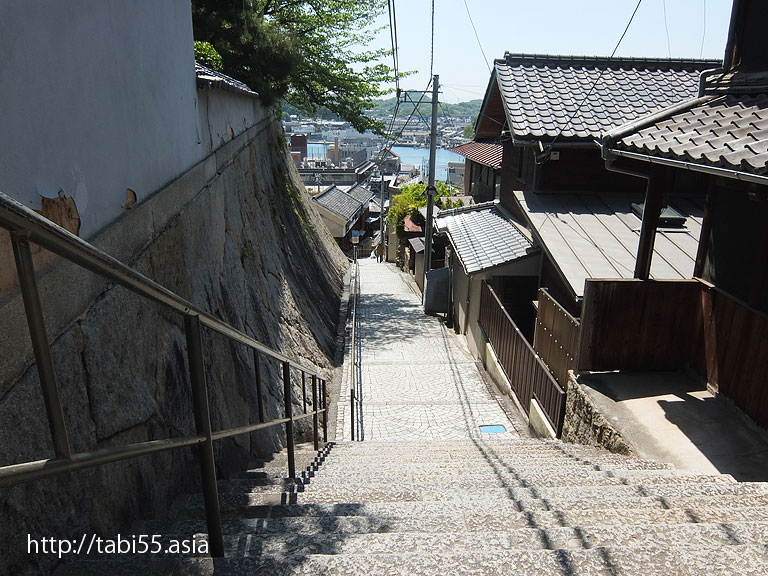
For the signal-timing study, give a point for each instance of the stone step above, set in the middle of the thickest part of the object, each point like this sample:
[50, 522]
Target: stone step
[431, 517]
[650, 560]
[342, 467]
[320, 491]
[507, 514]
[702, 536]
[522, 499]
[265, 542]
[320, 482]
[569, 476]
[554, 459]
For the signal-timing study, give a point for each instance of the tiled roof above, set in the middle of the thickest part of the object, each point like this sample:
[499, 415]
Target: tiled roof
[483, 236]
[542, 93]
[485, 152]
[210, 78]
[360, 193]
[597, 235]
[725, 131]
[339, 203]
[417, 244]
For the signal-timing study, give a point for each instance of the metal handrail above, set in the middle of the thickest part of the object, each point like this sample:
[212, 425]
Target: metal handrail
[15, 217]
[353, 349]
[26, 226]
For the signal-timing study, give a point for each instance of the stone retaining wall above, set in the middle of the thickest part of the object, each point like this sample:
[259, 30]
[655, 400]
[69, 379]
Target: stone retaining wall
[585, 425]
[236, 236]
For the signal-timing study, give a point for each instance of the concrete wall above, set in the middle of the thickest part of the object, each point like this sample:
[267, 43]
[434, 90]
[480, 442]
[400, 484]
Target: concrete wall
[97, 97]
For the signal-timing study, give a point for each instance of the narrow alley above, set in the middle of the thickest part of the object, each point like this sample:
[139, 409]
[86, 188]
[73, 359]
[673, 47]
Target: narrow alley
[418, 381]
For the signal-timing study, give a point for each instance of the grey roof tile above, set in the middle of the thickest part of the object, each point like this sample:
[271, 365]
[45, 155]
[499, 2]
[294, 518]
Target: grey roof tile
[361, 193]
[339, 202]
[543, 92]
[211, 78]
[728, 131]
[483, 236]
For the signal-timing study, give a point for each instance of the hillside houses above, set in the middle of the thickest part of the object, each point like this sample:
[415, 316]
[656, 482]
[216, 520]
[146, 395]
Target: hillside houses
[536, 165]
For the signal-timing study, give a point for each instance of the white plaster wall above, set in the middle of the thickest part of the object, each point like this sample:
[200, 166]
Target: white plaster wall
[221, 110]
[96, 96]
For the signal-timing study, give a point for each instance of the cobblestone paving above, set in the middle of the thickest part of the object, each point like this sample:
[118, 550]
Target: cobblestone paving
[418, 380]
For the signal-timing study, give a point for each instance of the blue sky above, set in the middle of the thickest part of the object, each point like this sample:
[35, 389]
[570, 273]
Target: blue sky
[583, 27]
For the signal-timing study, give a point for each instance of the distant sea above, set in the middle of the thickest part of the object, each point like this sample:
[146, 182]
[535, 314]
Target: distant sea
[408, 155]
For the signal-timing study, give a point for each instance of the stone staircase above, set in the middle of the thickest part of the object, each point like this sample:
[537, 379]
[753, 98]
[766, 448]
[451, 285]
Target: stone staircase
[482, 506]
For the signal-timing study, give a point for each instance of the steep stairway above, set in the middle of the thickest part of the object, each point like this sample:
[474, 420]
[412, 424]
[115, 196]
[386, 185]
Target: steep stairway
[482, 506]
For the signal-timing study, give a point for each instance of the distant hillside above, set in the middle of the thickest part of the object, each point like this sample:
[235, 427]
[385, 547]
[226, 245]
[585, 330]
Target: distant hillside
[468, 109]
[384, 108]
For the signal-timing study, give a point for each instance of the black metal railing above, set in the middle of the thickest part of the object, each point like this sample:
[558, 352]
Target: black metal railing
[355, 381]
[25, 227]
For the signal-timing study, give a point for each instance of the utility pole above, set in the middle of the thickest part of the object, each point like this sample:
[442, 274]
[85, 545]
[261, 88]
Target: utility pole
[381, 216]
[431, 190]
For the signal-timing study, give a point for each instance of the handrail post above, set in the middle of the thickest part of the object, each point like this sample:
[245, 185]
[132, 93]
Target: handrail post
[324, 402]
[304, 390]
[315, 415]
[203, 427]
[289, 414]
[259, 394]
[42, 350]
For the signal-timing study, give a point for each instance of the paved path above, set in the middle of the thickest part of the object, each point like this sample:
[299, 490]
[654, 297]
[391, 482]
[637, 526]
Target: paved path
[419, 382]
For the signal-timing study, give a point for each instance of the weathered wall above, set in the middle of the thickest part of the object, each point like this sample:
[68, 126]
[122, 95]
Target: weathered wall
[584, 424]
[97, 97]
[224, 114]
[236, 236]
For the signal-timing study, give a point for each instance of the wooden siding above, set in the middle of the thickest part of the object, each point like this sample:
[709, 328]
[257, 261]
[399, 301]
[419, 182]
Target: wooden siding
[736, 338]
[556, 338]
[632, 324]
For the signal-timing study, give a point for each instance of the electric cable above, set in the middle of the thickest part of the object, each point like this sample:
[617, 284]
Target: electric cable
[485, 58]
[545, 153]
[704, 29]
[666, 28]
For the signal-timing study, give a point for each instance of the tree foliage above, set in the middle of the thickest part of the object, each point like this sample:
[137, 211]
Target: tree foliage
[412, 197]
[307, 52]
[206, 55]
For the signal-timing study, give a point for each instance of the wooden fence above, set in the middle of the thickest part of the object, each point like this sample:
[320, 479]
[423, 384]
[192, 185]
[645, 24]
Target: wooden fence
[641, 325]
[528, 375]
[667, 325]
[735, 341]
[556, 338]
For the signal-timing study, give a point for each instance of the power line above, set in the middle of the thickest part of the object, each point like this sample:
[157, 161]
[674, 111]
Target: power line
[393, 38]
[592, 88]
[666, 27]
[704, 29]
[485, 58]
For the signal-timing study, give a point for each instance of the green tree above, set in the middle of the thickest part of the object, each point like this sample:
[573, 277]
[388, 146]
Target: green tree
[307, 52]
[468, 131]
[411, 198]
[206, 55]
